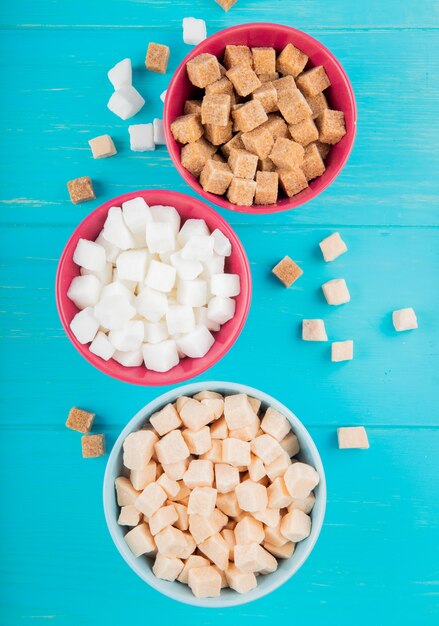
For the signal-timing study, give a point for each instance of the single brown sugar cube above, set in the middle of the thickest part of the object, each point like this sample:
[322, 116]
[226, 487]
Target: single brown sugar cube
[277, 126]
[249, 116]
[241, 191]
[317, 104]
[157, 57]
[287, 271]
[286, 83]
[203, 70]
[266, 165]
[259, 141]
[293, 106]
[226, 4]
[291, 60]
[286, 154]
[218, 157]
[331, 126]
[352, 437]
[80, 420]
[313, 165]
[264, 60]
[265, 78]
[223, 85]
[267, 184]
[234, 55]
[187, 128]
[215, 109]
[313, 81]
[216, 177]
[323, 149]
[93, 446]
[218, 135]
[234, 142]
[243, 163]
[102, 147]
[305, 132]
[292, 181]
[81, 190]
[195, 155]
[192, 106]
[243, 79]
[267, 96]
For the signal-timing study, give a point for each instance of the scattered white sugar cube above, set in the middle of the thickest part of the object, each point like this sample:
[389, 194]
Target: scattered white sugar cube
[162, 213]
[221, 244]
[278, 495]
[105, 276]
[204, 582]
[165, 420]
[125, 102]
[193, 561]
[199, 474]
[198, 248]
[141, 478]
[138, 449]
[161, 276]
[102, 347]
[84, 325]
[217, 550]
[192, 293]
[195, 414]
[161, 357]
[251, 496]
[167, 568]
[129, 516]
[165, 516]
[140, 541]
[226, 477]
[121, 74]
[129, 359]
[158, 132]
[197, 343]
[198, 441]
[404, 319]
[202, 501]
[111, 251]
[155, 332]
[249, 530]
[342, 351]
[352, 437]
[190, 228]
[113, 312]
[129, 337]
[172, 448]
[131, 265]
[194, 31]
[90, 255]
[213, 265]
[253, 558]
[314, 330]
[241, 582]
[225, 285]
[235, 452]
[171, 542]
[300, 479]
[84, 291]
[141, 137]
[304, 504]
[237, 411]
[221, 310]
[336, 291]
[332, 247]
[125, 492]
[137, 215]
[295, 526]
[180, 319]
[115, 230]
[186, 270]
[163, 95]
[202, 319]
[152, 305]
[266, 448]
[151, 499]
[275, 424]
[160, 237]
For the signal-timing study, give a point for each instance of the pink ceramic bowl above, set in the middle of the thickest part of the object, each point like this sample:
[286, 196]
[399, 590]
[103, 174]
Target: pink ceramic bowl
[237, 263]
[340, 96]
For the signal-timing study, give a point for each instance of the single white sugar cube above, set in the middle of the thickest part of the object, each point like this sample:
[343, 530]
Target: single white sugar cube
[186, 270]
[295, 526]
[235, 452]
[125, 492]
[190, 228]
[165, 420]
[161, 357]
[241, 582]
[213, 265]
[314, 330]
[105, 276]
[266, 448]
[137, 215]
[198, 248]
[195, 414]
[192, 562]
[202, 501]
[129, 516]
[238, 412]
[336, 291]
[404, 319]
[221, 244]
[180, 319]
[217, 550]
[125, 102]
[161, 213]
[102, 347]
[249, 530]
[167, 568]
[204, 582]
[226, 477]
[141, 137]
[194, 31]
[131, 265]
[275, 424]
[117, 288]
[198, 474]
[192, 292]
[115, 230]
[90, 255]
[352, 437]
[139, 540]
[84, 291]
[163, 95]
[342, 351]
[225, 285]
[129, 359]
[113, 312]
[197, 343]
[151, 499]
[160, 237]
[138, 448]
[165, 516]
[202, 319]
[128, 338]
[84, 325]
[111, 251]
[152, 305]
[161, 276]
[221, 310]
[159, 133]
[332, 247]
[141, 478]
[121, 74]
[300, 479]
[155, 331]
[198, 441]
[171, 448]
[251, 496]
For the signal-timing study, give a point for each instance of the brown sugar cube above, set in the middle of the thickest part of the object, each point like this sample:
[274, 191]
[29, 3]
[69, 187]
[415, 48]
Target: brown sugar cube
[264, 60]
[265, 78]
[81, 190]
[216, 177]
[80, 420]
[187, 128]
[234, 55]
[277, 126]
[102, 147]
[217, 135]
[243, 79]
[323, 149]
[203, 70]
[317, 104]
[223, 85]
[267, 184]
[266, 165]
[195, 155]
[218, 157]
[304, 132]
[313, 81]
[287, 271]
[331, 126]
[234, 142]
[249, 116]
[241, 191]
[243, 163]
[226, 4]
[267, 96]
[312, 165]
[157, 57]
[215, 109]
[259, 141]
[286, 154]
[292, 181]
[286, 83]
[93, 446]
[291, 60]
[293, 106]
[192, 106]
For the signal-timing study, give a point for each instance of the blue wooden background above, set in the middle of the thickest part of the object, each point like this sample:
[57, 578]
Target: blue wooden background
[377, 557]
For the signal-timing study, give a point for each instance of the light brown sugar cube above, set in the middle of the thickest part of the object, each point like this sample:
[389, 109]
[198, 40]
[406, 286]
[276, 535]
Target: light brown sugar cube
[243, 79]
[140, 541]
[264, 60]
[215, 454]
[169, 486]
[217, 550]
[102, 147]
[286, 83]
[157, 57]
[218, 135]
[331, 126]
[280, 552]
[166, 420]
[254, 558]
[215, 109]
[202, 501]
[256, 469]
[275, 424]
[198, 441]
[151, 499]
[80, 420]
[332, 247]
[268, 78]
[323, 149]
[266, 448]
[249, 530]
[171, 448]
[195, 155]
[267, 96]
[228, 504]
[234, 142]
[313, 165]
[226, 477]
[129, 516]
[221, 86]
[187, 128]
[202, 527]
[317, 104]
[143, 477]
[278, 495]
[241, 582]
[314, 330]
[93, 446]
[304, 504]
[166, 568]
[193, 561]
[243, 164]
[287, 271]
[342, 351]
[336, 291]
[305, 132]
[267, 184]
[182, 521]
[205, 582]
[274, 536]
[192, 106]
[171, 542]
[235, 55]
[293, 106]
[276, 125]
[138, 449]
[226, 4]
[290, 444]
[300, 479]
[229, 537]
[203, 70]
[278, 467]
[258, 141]
[352, 437]
[175, 471]
[81, 190]
[248, 116]
[216, 405]
[291, 60]
[313, 81]
[286, 154]
[235, 452]
[295, 526]
[266, 165]
[269, 517]
[125, 492]
[404, 319]
[199, 474]
[195, 414]
[251, 496]
[241, 191]
[238, 411]
[165, 516]
[218, 429]
[216, 177]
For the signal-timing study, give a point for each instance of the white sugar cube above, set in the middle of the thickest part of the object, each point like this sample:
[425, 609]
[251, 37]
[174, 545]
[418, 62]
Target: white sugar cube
[113, 312]
[332, 247]
[115, 230]
[131, 285]
[102, 347]
[314, 330]
[342, 350]
[221, 244]
[159, 133]
[131, 265]
[336, 291]
[190, 228]
[198, 248]
[160, 357]
[154, 332]
[129, 359]
[121, 74]
[117, 288]
[225, 285]
[151, 304]
[352, 437]
[404, 319]
[186, 270]
[202, 319]
[161, 276]
[162, 213]
[90, 255]
[194, 31]
[137, 215]
[141, 137]
[180, 319]
[163, 95]
[105, 276]
[84, 291]
[213, 265]
[111, 250]
[129, 337]
[192, 292]
[196, 343]
[221, 310]
[84, 325]
[125, 102]
[160, 237]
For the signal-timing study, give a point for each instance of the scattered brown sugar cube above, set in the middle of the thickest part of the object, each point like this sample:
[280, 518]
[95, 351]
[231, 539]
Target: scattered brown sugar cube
[234, 142]
[331, 126]
[352, 437]
[323, 149]
[243, 163]
[157, 57]
[287, 271]
[313, 165]
[342, 351]
[218, 135]
[81, 190]
[277, 126]
[187, 128]
[267, 184]
[286, 154]
[234, 55]
[286, 83]
[93, 446]
[293, 106]
[249, 116]
[216, 177]
[243, 79]
[264, 60]
[223, 85]
[265, 78]
[226, 4]
[215, 109]
[305, 132]
[80, 420]
[313, 81]
[192, 106]
[267, 95]
[317, 104]
[314, 330]
[291, 60]
[195, 155]
[292, 181]
[266, 165]
[332, 247]
[241, 191]
[102, 147]
[259, 141]
[203, 70]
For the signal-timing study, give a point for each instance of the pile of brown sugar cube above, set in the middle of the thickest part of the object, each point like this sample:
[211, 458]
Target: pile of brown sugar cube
[262, 122]
[212, 492]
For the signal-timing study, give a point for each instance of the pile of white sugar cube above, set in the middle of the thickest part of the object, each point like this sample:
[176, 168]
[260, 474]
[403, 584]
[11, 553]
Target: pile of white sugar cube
[152, 291]
[215, 475]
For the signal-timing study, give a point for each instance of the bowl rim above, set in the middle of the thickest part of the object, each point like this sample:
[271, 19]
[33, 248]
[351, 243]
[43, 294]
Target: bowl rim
[220, 201]
[168, 377]
[108, 492]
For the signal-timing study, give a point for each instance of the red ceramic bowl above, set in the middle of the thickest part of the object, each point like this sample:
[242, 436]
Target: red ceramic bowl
[340, 96]
[237, 263]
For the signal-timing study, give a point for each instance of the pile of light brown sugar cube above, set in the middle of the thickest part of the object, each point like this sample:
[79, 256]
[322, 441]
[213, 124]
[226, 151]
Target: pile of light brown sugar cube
[212, 493]
[263, 122]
